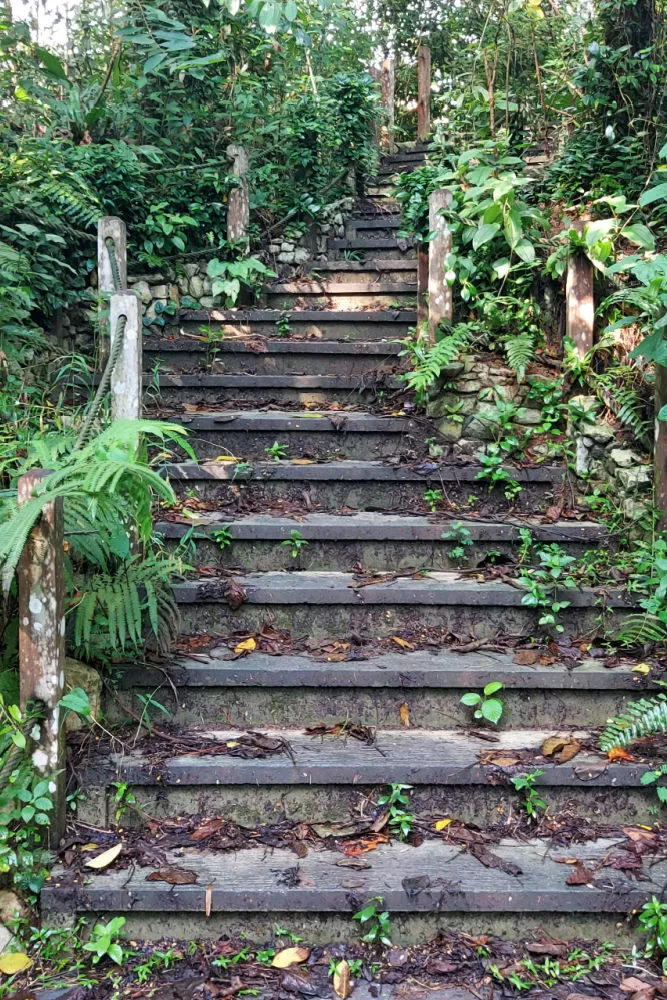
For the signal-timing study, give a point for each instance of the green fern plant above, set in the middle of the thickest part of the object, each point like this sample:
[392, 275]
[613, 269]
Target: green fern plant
[638, 629]
[429, 361]
[641, 718]
[520, 351]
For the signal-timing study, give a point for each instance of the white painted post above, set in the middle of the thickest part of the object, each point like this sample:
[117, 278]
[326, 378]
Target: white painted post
[440, 305]
[126, 386]
[580, 303]
[111, 226]
[42, 638]
[238, 204]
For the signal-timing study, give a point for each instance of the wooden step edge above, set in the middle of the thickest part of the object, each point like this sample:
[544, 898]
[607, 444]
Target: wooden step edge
[249, 316]
[283, 345]
[342, 288]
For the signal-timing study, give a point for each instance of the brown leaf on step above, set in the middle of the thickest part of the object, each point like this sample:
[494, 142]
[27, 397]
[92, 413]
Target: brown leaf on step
[403, 643]
[437, 965]
[551, 745]
[208, 899]
[546, 946]
[526, 657]
[256, 344]
[489, 860]
[290, 956]
[297, 982]
[570, 750]
[301, 461]
[583, 996]
[207, 829]
[173, 876]
[235, 594]
[341, 980]
[639, 834]
[300, 849]
[633, 985]
[405, 715]
[500, 758]
[354, 848]
[359, 864]
[553, 513]
[580, 874]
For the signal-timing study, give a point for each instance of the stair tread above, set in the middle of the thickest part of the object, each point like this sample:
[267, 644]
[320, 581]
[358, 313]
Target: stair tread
[390, 243]
[277, 346]
[442, 668]
[273, 315]
[380, 526]
[358, 471]
[306, 420]
[414, 756]
[336, 588]
[258, 879]
[340, 288]
[377, 264]
[242, 380]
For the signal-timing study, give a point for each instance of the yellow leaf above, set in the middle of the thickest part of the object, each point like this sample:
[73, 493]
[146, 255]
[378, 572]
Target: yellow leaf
[246, 646]
[290, 956]
[642, 668]
[104, 859]
[341, 980]
[442, 824]
[302, 461]
[232, 743]
[89, 847]
[405, 714]
[14, 962]
[208, 902]
[228, 458]
[403, 643]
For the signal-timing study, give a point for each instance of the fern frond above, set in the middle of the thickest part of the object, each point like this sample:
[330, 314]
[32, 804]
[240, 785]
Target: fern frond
[430, 363]
[641, 718]
[520, 350]
[638, 629]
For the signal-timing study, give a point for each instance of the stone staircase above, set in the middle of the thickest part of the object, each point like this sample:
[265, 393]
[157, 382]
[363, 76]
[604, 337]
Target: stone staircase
[315, 371]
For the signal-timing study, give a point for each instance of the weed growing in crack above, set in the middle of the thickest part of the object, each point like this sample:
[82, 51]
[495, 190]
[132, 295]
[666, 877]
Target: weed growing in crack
[653, 922]
[375, 921]
[543, 584]
[531, 801]
[277, 451]
[486, 706]
[222, 537]
[460, 535]
[399, 820]
[433, 498]
[295, 543]
[103, 942]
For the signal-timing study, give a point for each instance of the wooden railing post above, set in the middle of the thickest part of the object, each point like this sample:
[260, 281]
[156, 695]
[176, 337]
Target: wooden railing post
[440, 304]
[580, 303]
[110, 226]
[388, 87]
[660, 451]
[238, 203]
[423, 93]
[42, 639]
[126, 382]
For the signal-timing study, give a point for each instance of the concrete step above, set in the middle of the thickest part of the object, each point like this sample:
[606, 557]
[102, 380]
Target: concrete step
[310, 434]
[328, 778]
[382, 541]
[362, 485]
[288, 690]
[369, 270]
[334, 324]
[271, 357]
[434, 885]
[381, 191]
[333, 604]
[382, 249]
[330, 295]
[292, 391]
[416, 155]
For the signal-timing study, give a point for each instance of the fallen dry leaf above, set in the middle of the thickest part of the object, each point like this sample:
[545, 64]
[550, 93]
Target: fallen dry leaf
[442, 824]
[403, 643]
[208, 899]
[341, 980]
[248, 646]
[235, 594]
[580, 874]
[633, 985]
[618, 753]
[173, 876]
[404, 712]
[642, 668]
[526, 657]
[228, 458]
[290, 956]
[14, 962]
[561, 747]
[104, 859]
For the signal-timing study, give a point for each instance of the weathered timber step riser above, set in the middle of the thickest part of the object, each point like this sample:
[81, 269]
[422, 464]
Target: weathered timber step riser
[270, 554]
[485, 805]
[257, 707]
[351, 363]
[405, 298]
[386, 494]
[340, 272]
[208, 444]
[327, 928]
[288, 398]
[326, 327]
[373, 620]
[366, 249]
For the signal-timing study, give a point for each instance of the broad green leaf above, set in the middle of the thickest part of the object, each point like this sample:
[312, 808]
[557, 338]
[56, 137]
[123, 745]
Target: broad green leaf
[653, 347]
[596, 231]
[658, 193]
[641, 235]
[471, 699]
[484, 233]
[492, 709]
[51, 63]
[77, 701]
[291, 10]
[525, 250]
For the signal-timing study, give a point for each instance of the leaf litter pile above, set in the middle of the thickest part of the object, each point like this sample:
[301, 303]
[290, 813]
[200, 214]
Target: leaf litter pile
[285, 968]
